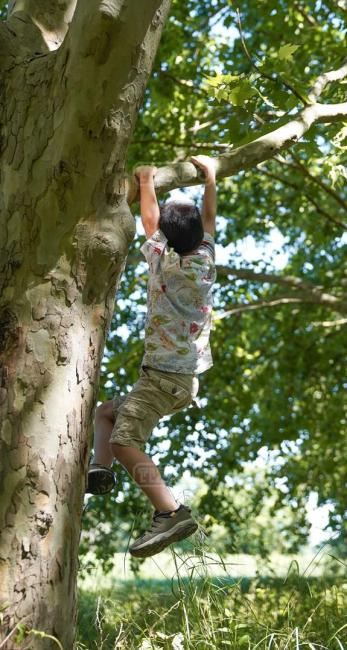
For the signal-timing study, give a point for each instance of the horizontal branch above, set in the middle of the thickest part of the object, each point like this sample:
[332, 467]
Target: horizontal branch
[263, 148]
[306, 291]
[284, 280]
[249, 155]
[298, 298]
[330, 323]
[257, 304]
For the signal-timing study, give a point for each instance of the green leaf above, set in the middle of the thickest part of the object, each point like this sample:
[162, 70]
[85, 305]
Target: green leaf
[220, 79]
[286, 51]
[241, 93]
[291, 102]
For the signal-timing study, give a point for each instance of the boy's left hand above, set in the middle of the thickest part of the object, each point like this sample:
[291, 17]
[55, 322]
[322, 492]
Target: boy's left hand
[207, 164]
[142, 173]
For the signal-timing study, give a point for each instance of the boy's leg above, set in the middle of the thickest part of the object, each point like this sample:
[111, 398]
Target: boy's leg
[147, 476]
[100, 478]
[155, 394]
[171, 522]
[103, 425]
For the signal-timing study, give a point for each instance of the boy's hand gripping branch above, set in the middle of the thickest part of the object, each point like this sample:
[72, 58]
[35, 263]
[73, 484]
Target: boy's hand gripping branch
[209, 208]
[143, 179]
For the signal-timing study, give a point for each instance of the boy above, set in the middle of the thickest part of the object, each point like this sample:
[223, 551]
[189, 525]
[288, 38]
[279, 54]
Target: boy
[180, 253]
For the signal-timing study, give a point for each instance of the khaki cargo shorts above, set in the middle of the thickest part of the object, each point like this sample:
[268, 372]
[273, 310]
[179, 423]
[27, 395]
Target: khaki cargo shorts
[155, 394]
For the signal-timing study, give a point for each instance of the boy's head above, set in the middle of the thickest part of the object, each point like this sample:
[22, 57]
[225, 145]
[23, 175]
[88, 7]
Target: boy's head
[181, 224]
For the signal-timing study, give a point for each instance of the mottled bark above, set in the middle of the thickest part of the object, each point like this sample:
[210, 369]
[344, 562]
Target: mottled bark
[65, 226]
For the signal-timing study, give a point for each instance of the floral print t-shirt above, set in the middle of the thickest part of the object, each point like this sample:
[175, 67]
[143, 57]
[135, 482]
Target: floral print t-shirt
[179, 306]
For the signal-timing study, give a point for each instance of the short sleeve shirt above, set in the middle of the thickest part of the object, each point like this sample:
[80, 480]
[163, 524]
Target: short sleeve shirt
[179, 306]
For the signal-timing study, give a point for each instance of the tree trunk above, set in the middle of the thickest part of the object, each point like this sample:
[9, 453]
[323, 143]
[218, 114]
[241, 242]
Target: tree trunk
[67, 113]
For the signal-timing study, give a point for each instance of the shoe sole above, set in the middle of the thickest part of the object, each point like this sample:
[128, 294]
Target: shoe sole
[99, 482]
[159, 546]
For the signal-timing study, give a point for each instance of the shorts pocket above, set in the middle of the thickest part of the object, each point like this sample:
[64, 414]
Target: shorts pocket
[180, 396]
[135, 422]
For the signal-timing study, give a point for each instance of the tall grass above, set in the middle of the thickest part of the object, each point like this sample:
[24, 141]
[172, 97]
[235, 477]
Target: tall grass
[197, 611]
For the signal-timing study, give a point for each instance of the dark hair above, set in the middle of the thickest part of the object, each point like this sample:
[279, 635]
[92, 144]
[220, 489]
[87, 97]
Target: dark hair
[181, 224]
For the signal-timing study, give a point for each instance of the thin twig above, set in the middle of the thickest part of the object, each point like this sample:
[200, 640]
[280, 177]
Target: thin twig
[184, 82]
[285, 280]
[187, 145]
[309, 19]
[330, 323]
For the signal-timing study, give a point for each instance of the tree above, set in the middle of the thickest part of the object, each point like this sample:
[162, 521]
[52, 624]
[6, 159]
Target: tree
[76, 84]
[70, 94]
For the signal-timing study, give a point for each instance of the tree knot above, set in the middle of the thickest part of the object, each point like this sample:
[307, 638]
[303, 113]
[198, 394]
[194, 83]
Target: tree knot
[43, 522]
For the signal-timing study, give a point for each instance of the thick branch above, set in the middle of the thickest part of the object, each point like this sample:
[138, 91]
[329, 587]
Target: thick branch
[37, 26]
[251, 154]
[103, 68]
[263, 148]
[330, 323]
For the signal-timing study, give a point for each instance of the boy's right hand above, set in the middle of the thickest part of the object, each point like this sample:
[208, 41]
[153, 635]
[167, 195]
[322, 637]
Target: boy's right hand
[207, 164]
[145, 171]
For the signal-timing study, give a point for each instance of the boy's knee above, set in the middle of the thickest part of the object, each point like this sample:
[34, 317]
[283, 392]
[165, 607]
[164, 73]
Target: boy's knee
[122, 450]
[119, 451]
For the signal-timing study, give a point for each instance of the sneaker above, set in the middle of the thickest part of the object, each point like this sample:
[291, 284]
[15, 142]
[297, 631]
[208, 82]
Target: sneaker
[167, 527]
[100, 479]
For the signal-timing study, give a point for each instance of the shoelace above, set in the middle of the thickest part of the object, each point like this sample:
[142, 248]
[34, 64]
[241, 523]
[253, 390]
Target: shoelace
[155, 523]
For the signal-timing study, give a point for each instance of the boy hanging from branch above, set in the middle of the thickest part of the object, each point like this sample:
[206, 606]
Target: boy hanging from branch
[179, 250]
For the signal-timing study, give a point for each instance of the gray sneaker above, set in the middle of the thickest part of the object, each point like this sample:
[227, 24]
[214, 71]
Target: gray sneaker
[167, 527]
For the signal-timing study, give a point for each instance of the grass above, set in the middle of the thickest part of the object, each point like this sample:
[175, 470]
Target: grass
[193, 609]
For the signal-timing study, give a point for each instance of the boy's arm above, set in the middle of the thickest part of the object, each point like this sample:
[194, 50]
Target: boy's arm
[209, 207]
[150, 212]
